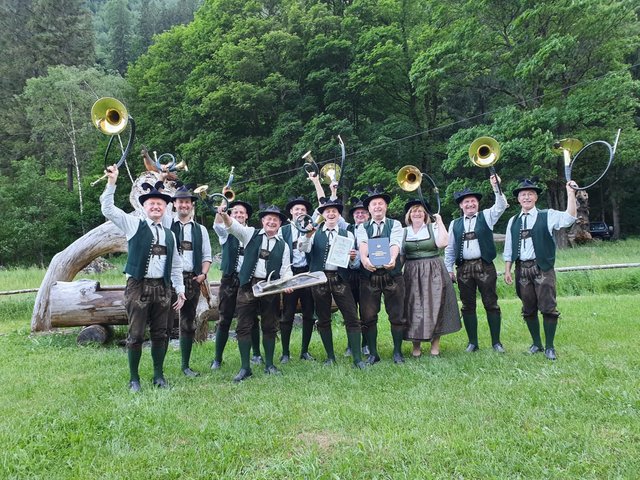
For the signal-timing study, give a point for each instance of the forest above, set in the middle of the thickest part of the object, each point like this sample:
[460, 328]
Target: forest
[254, 84]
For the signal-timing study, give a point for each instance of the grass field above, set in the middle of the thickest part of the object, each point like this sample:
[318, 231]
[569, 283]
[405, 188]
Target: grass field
[66, 412]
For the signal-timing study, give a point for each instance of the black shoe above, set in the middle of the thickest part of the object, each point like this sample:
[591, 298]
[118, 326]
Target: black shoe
[285, 359]
[256, 360]
[471, 348]
[550, 353]
[347, 352]
[243, 374]
[190, 373]
[365, 351]
[534, 349]
[371, 359]
[216, 365]
[134, 386]
[361, 365]
[329, 362]
[398, 358]
[306, 356]
[160, 382]
[499, 348]
[272, 370]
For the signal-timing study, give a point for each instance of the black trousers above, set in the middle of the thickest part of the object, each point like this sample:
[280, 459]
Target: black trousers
[536, 289]
[147, 301]
[372, 290]
[474, 275]
[340, 290]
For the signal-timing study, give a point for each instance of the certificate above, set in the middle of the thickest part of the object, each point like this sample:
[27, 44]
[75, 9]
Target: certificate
[379, 251]
[340, 251]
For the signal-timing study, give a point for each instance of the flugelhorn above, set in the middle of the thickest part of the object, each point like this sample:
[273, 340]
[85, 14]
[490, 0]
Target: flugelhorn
[409, 178]
[110, 116]
[208, 199]
[310, 165]
[484, 152]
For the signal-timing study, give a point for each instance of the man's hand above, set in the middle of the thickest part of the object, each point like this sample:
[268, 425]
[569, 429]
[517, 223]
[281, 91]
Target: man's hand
[200, 278]
[288, 290]
[352, 254]
[453, 277]
[179, 302]
[391, 265]
[571, 187]
[112, 174]
[495, 180]
[366, 263]
[507, 277]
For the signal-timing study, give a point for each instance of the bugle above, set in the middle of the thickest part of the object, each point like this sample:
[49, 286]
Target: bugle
[110, 116]
[484, 152]
[409, 178]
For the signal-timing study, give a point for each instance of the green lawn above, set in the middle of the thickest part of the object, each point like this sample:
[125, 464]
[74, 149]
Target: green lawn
[66, 411]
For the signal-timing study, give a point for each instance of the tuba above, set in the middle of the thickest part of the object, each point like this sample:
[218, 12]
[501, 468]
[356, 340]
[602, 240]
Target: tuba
[409, 178]
[110, 116]
[484, 152]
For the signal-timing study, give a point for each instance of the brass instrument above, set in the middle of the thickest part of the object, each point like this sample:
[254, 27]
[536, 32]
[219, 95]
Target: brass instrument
[310, 165]
[226, 190]
[303, 221]
[330, 173]
[571, 146]
[301, 280]
[567, 147]
[110, 116]
[208, 199]
[484, 152]
[409, 178]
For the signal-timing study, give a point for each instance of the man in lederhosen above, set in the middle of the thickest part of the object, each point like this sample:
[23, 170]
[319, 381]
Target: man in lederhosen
[232, 258]
[299, 264]
[384, 281]
[318, 243]
[153, 264]
[265, 254]
[472, 249]
[530, 244]
[194, 248]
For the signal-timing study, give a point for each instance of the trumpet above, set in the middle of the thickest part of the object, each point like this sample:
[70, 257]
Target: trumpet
[110, 116]
[310, 165]
[484, 152]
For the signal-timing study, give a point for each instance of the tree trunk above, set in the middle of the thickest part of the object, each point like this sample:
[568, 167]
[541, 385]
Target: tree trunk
[579, 232]
[615, 216]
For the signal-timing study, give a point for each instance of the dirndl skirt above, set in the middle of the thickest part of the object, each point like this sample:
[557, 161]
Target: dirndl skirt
[430, 305]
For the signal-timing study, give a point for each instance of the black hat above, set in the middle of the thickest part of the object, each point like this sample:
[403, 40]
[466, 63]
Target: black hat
[247, 207]
[467, 192]
[272, 210]
[153, 191]
[337, 203]
[526, 184]
[185, 191]
[417, 201]
[298, 201]
[376, 192]
[356, 203]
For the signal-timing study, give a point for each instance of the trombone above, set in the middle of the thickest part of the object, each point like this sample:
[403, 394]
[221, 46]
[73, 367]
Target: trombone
[110, 116]
[484, 152]
[410, 178]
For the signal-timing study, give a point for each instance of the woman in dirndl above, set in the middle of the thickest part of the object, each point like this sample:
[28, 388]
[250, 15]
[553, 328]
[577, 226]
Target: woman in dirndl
[430, 305]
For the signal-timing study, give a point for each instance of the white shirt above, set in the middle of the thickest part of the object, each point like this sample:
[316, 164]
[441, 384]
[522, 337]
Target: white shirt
[556, 220]
[305, 243]
[395, 237]
[129, 225]
[187, 236]
[244, 234]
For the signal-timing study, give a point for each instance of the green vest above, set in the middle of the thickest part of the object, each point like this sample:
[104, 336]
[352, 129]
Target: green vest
[139, 247]
[483, 233]
[386, 233]
[251, 252]
[287, 236]
[416, 249]
[544, 245]
[320, 250]
[230, 255]
[196, 241]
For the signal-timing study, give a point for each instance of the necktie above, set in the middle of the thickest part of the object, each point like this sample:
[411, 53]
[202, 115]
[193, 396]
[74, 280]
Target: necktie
[331, 230]
[379, 227]
[524, 227]
[181, 237]
[157, 227]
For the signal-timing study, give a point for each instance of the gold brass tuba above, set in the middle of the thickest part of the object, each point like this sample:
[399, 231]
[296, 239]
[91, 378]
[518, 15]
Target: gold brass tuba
[484, 152]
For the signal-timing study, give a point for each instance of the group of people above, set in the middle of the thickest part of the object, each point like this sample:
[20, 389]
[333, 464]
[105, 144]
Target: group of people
[169, 258]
